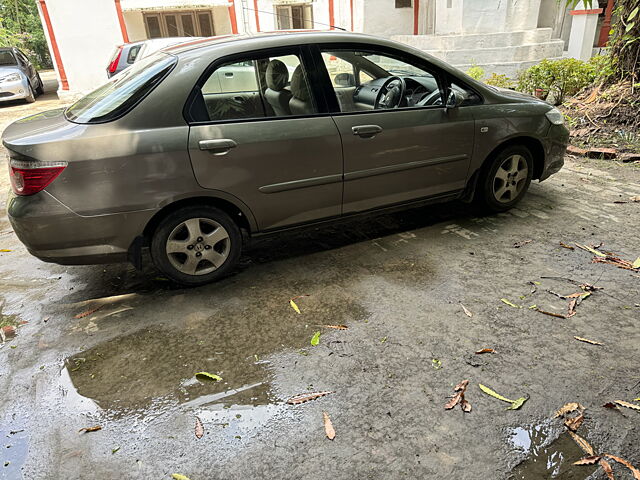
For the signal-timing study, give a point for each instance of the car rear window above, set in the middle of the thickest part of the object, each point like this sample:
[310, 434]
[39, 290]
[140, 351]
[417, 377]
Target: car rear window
[122, 92]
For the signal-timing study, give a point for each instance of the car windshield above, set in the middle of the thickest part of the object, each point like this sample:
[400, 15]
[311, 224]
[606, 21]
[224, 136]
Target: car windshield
[7, 58]
[122, 92]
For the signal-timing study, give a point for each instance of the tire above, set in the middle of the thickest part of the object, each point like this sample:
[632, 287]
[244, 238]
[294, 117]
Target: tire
[199, 235]
[40, 87]
[30, 98]
[504, 181]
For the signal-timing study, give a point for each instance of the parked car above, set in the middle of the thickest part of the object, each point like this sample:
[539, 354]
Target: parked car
[19, 79]
[154, 159]
[126, 55]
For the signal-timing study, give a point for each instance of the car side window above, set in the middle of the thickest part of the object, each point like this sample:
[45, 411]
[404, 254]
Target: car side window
[266, 87]
[370, 80]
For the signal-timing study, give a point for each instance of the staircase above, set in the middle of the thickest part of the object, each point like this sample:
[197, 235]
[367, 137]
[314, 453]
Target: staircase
[503, 52]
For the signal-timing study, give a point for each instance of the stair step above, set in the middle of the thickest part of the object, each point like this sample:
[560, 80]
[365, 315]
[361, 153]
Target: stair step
[476, 40]
[527, 52]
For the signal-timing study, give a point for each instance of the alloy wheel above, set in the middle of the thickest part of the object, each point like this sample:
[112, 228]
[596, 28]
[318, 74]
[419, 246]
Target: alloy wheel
[510, 178]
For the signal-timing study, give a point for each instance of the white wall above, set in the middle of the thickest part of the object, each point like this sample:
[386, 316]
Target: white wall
[380, 17]
[135, 25]
[86, 33]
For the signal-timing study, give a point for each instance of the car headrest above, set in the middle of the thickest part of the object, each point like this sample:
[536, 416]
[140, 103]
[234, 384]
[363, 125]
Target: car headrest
[277, 75]
[299, 87]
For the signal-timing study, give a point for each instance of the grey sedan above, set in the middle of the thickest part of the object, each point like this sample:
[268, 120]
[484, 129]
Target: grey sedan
[189, 148]
[19, 79]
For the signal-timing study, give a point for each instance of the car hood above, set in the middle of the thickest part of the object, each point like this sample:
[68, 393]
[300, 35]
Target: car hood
[519, 96]
[8, 69]
[25, 135]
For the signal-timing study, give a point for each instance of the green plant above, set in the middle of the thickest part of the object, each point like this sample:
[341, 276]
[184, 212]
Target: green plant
[602, 67]
[476, 72]
[557, 78]
[499, 80]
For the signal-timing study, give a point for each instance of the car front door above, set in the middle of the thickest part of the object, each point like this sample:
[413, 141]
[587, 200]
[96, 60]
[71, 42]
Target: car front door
[395, 153]
[257, 133]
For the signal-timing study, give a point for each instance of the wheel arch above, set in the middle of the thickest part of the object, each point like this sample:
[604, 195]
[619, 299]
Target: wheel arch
[533, 144]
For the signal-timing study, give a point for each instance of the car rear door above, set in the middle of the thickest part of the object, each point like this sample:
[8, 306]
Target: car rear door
[396, 155]
[287, 168]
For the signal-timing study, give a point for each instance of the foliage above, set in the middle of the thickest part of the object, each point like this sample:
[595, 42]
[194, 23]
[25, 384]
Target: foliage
[557, 78]
[499, 80]
[20, 27]
[602, 67]
[625, 40]
[475, 72]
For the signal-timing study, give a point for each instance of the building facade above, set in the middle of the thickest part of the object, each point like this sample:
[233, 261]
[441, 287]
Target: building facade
[502, 36]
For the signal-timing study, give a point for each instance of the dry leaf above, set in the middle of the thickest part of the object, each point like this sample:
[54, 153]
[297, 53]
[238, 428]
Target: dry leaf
[586, 340]
[90, 429]
[572, 307]
[305, 397]
[466, 406]
[486, 350]
[199, 430]
[607, 468]
[632, 406]
[178, 476]
[568, 408]
[462, 386]
[4, 250]
[507, 302]
[588, 460]
[455, 399]
[466, 311]
[611, 405]
[87, 313]
[337, 327]
[582, 443]
[459, 397]
[590, 250]
[574, 423]
[564, 245]
[328, 426]
[557, 315]
[634, 470]
[635, 199]
[294, 305]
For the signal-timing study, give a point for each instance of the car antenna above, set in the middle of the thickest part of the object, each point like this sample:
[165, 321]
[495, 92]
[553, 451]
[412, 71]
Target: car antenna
[290, 17]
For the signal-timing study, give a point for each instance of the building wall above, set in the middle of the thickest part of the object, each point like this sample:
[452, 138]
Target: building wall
[134, 21]
[380, 17]
[485, 16]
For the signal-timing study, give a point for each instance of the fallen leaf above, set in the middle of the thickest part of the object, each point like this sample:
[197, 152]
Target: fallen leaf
[208, 377]
[586, 340]
[635, 199]
[90, 429]
[591, 250]
[7, 331]
[486, 350]
[199, 429]
[504, 300]
[572, 308]
[177, 476]
[4, 250]
[328, 426]
[632, 406]
[568, 408]
[437, 364]
[294, 305]
[455, 399]
[588, 460]
[488, 391]
[611, 405]
[634, 470]
[564, 245]
[552, 314]
[466, 406]
[636, 264]
[87, 313]
[337, 327]
[518, 403]
[466, 311]
[306, 397]
[574, 423]
[459, 397]
[607, 469]
[115, 450]
[582, 443]
[315, 340]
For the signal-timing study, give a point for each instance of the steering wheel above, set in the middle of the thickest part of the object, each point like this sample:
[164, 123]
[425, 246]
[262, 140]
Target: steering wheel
[433, 98]
[391, 93]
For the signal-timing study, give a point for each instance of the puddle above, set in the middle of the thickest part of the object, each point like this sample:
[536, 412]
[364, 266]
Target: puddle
[14, 445]
[549, 454]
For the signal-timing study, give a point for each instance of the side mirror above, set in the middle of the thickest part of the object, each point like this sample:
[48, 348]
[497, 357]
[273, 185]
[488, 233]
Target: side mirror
[345, 80]
[454, 100]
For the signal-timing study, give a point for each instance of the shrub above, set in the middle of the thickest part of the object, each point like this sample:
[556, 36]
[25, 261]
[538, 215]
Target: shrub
[602, 67]
[557, 78]
[499, 80]
[475, 72]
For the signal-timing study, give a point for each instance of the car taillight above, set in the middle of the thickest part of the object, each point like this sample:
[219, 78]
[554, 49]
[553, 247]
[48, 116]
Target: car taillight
[28, 178]
[114, 63]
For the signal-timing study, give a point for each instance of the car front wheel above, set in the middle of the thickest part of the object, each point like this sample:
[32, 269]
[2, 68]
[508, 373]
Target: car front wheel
[506, 179]
[196, 245]
[30, 98]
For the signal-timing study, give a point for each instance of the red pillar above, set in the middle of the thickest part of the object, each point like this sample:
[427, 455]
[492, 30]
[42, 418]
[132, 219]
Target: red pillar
[123, 26]
[416, 11]
[332, 18]
[255, 10]
[351, 9]
[54, 46]
[232, 16]
[606, 25]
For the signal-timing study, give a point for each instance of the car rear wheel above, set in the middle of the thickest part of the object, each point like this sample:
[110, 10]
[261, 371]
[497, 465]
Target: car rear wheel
[196, 245]
[30, 98]
[506, 179]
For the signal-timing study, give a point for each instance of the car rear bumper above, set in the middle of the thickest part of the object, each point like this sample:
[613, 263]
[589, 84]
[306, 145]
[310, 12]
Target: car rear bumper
[54, 233]
[556, 147]
[17, 90]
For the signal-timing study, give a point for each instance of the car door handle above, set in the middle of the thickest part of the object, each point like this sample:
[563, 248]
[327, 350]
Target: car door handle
[366, 131]
[217, 147]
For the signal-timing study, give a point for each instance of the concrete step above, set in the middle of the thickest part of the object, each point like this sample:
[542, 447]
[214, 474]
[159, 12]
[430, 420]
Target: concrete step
[532, 51]
[510, 69]
[479, 40]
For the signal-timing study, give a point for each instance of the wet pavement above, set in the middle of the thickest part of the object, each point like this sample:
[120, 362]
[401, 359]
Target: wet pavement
[110, 346]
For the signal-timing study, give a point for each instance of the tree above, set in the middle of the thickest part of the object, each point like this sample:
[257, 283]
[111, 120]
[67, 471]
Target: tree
[20, 27]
